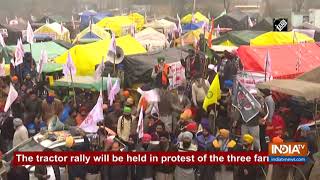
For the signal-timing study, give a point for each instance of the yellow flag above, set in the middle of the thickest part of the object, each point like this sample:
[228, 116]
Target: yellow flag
[51, 81]
[214, 93]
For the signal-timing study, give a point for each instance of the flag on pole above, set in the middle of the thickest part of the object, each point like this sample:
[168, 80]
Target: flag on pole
[268, 67]
[250, 23]
[73, 23]
[132, 30]
[193, 19]
[30, 35]
[90, 25]
[43, 60]
[19, 53]
[94, 116]
[2, 69]
[69, 68]
[114, 91]
[140, 124]
[62, 28]
[214, 93]
[211, 32]
[179, 25]
[99, 70]
[3, 44]
[145, 17]
[12, 96]
[113, 45]
[218, 31]
[109, 84]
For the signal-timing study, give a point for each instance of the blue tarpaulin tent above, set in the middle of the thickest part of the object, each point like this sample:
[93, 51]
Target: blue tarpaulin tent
[192, 26]
[96, 17]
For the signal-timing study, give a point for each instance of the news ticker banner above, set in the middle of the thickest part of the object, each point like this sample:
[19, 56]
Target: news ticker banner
[150, 158]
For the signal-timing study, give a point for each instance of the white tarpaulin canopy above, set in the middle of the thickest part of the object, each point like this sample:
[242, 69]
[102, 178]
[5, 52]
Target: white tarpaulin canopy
[162, 25]
[152, 40]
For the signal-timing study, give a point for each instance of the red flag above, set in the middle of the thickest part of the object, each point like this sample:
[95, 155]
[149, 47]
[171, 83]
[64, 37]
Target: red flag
[210, 35]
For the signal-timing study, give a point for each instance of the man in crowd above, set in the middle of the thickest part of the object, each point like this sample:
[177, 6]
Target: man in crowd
[180, 103]
[21, 133]
[199, 92]
[160, 73]
[127, 124]
[51, 107]
[164, 172]
[185, 172]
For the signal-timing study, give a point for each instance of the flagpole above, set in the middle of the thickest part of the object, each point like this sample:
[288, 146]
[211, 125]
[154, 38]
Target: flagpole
[74, 92]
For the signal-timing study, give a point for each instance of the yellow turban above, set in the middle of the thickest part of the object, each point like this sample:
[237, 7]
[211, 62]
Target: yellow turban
[248, 138]
[69, 141]
[224, 133]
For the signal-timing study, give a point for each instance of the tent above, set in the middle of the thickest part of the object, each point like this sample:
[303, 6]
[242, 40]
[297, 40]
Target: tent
[96, 17]
[197, 16]
[138, 19]
[279, 38]
[152, 39]
[52, 19]
[236, 20]
[96, 33]
[120, 25]
[191, 36]
[139, 67]
[284, 59]
[53, 49]
[306, 86]
[266, 24]
[87, 56]
[14, 32]
[236, 38]
[191, 26]
[164, 26]
[84, 82]
[55, 31]
[312, 27]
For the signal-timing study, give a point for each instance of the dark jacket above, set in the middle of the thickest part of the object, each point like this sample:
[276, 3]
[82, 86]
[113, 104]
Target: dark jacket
[42, 170]
[117, 172]
[164, 168]
[141, 172]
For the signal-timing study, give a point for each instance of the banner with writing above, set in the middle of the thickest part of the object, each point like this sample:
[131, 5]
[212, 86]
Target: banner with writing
[177, 75]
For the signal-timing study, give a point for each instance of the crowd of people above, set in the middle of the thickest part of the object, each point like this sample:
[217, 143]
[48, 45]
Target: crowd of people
[176, 123]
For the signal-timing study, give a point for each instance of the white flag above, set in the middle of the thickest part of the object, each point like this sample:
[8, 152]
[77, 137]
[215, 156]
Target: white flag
[132, 30]
[140, 124]
[179, 25]
[114, 91]
[250, 22]
[12, 96]
[109, 84]
[43, 60]
[73, 23]
[112, 47]
[19, 53]
[95, 116]
[99, 70]
[151, 95]
[30, 35]
[3, 44]
[2, 69]
[61, 28]
[268, 67]
[69, 67]
[218, 31]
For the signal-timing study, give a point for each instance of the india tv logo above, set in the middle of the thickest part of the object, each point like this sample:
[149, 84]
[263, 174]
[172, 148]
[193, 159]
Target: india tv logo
[295, 152]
